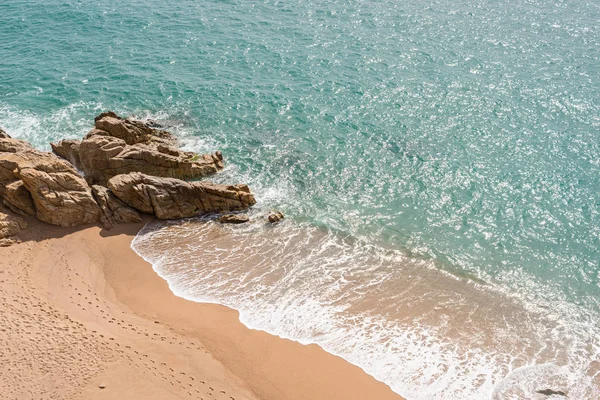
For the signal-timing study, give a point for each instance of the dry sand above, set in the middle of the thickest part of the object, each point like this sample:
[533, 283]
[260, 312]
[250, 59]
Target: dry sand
[84, 317]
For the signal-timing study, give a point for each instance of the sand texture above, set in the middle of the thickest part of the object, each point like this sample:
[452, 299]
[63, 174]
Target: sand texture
[83, 317]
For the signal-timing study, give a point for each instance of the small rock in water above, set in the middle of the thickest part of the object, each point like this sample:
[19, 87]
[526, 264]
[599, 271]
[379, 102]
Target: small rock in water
[275, 217]
[550, 392]
[164, 123]
[234, 219]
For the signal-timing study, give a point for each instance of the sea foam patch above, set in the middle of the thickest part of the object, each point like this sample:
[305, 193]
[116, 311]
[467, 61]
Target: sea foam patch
[423, 333]
[39, 129]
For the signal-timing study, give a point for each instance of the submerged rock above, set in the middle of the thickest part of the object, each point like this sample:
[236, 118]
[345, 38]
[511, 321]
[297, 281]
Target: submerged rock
[10, 226]
[169, 198]
[275, 217]
[550, 392]
[57, 193]
[234, 219]
[164, 123]
[114, 211]
[118, 146]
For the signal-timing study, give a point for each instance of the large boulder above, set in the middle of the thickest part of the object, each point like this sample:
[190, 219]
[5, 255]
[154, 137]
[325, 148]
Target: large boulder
[275, 217]
[114, 211]
[131, 131]
[10, 226]
[169, 198]
[117, 146]
[60, 196]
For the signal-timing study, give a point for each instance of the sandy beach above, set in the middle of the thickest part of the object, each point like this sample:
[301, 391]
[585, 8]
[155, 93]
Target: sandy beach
[84, 317]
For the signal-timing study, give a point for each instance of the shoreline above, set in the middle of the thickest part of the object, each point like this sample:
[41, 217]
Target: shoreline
[141, 339]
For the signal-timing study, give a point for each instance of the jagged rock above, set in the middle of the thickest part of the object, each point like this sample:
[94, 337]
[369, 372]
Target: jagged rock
[119, 146]
[132, 132]
[59, 194]
[10, 226]
[18, 199]
[114, 211]
[10, 145]
[234, 219]
[68, 149]
[11, 151]
[3, 135]
[106, 114]
[123, 154]
[169, 198]
[275, 217]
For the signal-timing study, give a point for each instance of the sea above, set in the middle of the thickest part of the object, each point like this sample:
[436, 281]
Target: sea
[437, 161]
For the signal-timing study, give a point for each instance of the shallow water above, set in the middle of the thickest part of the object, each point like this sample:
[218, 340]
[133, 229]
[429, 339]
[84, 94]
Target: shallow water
[423, 331]
[437, 161]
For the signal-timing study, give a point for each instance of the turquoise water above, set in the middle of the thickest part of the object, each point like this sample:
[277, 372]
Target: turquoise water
[460, 137]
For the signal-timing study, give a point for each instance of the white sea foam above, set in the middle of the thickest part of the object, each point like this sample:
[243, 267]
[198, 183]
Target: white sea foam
[424, 332]
[39, 129]
[403, 322]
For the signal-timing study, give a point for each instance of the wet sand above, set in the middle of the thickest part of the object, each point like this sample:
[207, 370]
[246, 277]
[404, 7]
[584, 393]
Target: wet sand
[84, 317]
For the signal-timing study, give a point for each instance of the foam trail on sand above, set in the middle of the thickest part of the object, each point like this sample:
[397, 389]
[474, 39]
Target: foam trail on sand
[424, 332]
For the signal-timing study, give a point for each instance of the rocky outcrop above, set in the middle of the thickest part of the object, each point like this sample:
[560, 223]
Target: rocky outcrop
[10, 226]
[131, 131]
[102, 157]
[140, 165]
[275, 217]
[58, 195]
[3, 135]
[118, 146]
[234, 219]
[114, 211]
[169, 198]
